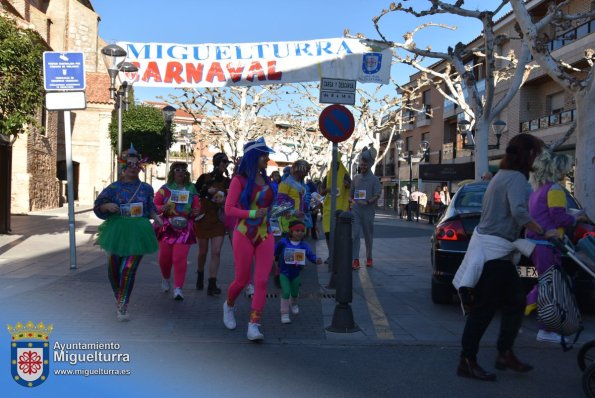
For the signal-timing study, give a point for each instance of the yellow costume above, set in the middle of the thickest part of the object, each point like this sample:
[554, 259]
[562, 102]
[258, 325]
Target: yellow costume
[342, 196]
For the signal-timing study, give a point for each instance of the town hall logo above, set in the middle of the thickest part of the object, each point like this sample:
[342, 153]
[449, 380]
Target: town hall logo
[372, 63]
[29, 353]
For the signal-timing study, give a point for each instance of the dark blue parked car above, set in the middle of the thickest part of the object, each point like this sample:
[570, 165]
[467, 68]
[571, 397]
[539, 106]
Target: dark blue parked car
[451, 238]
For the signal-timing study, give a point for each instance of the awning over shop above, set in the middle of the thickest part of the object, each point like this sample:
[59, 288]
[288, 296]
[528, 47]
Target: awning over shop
[447, 172]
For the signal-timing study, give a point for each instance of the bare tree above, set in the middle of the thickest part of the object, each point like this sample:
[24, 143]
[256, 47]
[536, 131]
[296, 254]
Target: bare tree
[303, 140]
[457, 80]
[579, 83]
[229, 116]
[367, 112]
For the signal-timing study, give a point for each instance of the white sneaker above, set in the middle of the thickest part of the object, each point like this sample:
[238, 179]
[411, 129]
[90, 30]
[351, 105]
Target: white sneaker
[548, 337]
[165, 285]
[254, 333]
[122, 313]
[285, 318]
[295, 309]
[249, 291]
[178, 296]
[229, 318]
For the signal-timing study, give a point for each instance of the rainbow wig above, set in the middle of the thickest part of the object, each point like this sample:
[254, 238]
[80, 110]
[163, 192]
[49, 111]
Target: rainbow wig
[131, 153]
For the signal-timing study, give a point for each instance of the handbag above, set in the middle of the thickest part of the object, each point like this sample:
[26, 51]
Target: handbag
[179, 222]
[556, 305]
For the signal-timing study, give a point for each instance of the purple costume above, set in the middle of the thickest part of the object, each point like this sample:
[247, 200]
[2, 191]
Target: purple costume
[547, 206]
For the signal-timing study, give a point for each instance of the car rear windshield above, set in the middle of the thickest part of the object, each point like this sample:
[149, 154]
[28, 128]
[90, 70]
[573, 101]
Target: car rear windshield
[470, 197]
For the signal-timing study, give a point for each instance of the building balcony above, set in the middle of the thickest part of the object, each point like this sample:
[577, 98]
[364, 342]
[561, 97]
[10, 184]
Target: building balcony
[571, 35]
[450, 109]
[424, 118]
[548, 121]
[378, 170]
[389, 169]
[384, 136]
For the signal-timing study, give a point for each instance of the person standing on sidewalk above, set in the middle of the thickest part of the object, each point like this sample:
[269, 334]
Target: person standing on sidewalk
[126, 234]
[250, 200]
[178, 204]
[212, 189]
[445, 196]
[291, 253]
[404, 195]
[504, 213]
[365, 191]
[414, 204]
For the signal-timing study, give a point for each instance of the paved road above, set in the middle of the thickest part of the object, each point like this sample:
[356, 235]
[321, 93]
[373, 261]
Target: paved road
[407, 346]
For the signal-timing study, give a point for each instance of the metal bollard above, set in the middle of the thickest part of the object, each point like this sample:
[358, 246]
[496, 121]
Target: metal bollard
[343, 321]
[335, 245]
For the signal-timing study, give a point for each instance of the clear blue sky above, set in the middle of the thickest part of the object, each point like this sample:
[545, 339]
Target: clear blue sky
[236, 21]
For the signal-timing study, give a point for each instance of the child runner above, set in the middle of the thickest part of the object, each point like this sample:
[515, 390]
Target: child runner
[291, 253]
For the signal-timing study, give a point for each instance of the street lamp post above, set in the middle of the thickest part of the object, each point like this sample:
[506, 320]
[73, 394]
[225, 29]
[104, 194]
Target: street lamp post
[464, 127]
[189, 148]
[114, 56]
[168, 115]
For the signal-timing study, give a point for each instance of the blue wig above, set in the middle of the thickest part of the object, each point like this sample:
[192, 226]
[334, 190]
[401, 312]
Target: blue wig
[249, 168]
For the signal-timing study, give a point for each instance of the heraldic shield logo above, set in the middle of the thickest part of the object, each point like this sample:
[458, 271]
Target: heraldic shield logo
[30, 353]
[372, 63]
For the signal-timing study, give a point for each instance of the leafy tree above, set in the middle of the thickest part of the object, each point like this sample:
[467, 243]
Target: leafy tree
[20, 77]
[21, 97]
[144, 127]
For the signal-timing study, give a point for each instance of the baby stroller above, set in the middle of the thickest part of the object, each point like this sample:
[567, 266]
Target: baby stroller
[583, 254]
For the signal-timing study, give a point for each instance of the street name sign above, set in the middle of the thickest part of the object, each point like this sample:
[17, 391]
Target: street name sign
[64, 71]
[337, 91]
[336, 123]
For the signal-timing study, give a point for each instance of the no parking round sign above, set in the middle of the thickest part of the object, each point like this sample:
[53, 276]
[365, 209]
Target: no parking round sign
[336, 123]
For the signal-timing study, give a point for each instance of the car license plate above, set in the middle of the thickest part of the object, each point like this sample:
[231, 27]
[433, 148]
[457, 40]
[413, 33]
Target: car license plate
[527, 272]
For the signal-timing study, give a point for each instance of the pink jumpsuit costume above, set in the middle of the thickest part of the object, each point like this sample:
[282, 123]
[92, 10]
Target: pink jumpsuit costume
[251, 239]
[174, 244]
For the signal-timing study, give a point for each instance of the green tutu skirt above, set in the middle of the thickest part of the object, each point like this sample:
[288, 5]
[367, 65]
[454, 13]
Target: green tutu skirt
[127, 236]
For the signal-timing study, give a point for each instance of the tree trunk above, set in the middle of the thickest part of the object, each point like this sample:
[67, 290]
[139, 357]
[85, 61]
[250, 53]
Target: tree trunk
[481, 147]
[584, 177]
[5, 183]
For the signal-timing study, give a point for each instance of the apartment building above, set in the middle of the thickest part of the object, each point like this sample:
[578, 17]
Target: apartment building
[540, 107]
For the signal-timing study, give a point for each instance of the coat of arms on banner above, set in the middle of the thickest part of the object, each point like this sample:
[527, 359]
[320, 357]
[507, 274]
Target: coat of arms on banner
[30, 353]
[372, 63]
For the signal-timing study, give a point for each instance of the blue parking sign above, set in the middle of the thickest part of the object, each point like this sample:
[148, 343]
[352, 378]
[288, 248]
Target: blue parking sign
[63, 71]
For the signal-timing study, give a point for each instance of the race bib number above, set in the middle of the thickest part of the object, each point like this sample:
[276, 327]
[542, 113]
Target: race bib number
[179, 196]
[132, 209]
[360, 194]
[275, 227]
[295, 256]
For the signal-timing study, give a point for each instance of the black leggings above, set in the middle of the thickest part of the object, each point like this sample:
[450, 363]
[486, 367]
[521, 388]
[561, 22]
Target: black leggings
[499, 287]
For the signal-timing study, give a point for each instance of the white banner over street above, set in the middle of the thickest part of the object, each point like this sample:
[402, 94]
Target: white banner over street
[247, 64]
